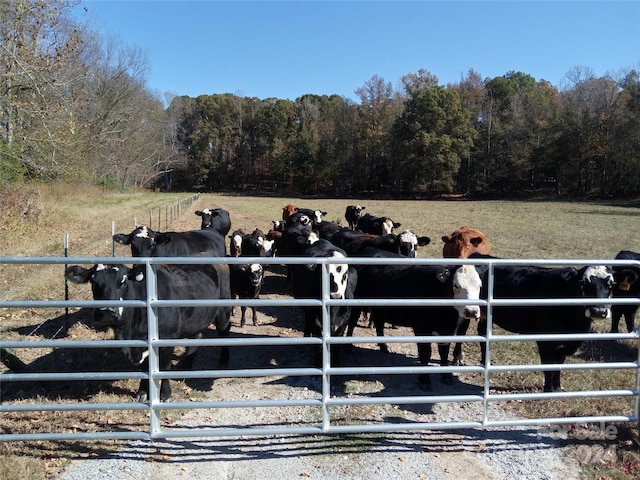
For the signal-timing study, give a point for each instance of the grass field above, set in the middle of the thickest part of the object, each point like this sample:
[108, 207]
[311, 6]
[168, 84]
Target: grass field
[37, 217]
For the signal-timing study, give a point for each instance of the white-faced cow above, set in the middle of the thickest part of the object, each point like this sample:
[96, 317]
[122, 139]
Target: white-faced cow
[215, 218]
[352, 214]
[307, 283]
[627, 286]
[419, 282]
[146, 242]
[593, 282]
[246, 283]
[376, 225]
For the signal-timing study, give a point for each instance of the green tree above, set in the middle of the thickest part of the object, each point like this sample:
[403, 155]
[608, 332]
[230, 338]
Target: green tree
[434, 134]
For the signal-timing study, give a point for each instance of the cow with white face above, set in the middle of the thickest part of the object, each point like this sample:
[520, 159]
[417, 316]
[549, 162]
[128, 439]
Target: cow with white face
[352, 214]
[307, 283]
[534, 282]
[419, 282]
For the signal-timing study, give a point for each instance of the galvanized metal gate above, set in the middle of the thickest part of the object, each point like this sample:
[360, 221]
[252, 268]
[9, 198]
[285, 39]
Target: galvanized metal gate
[325, 400]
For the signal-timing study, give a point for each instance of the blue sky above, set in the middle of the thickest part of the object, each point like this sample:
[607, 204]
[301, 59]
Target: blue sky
[287, 49]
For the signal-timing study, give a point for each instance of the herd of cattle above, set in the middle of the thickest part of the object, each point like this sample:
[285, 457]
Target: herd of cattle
[304, 233]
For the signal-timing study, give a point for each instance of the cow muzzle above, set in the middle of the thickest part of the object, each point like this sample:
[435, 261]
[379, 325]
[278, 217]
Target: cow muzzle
[471, 312]
[598, 312]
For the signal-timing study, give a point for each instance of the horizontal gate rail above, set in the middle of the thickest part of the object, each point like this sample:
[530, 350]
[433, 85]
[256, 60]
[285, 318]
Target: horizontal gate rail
[327, 372]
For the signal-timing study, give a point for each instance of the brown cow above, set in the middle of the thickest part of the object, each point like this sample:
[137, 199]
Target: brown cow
[287, 211]
[460, 244]
[465, 241]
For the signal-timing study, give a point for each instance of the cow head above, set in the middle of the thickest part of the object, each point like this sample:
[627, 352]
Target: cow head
[463, 242]
[408, 243]
[597, 282]
[235, 243]
[388, 225]
[467, 285]
[106, 282]
[133, 324]
[207, 217]
[256, 274]
[142, 241]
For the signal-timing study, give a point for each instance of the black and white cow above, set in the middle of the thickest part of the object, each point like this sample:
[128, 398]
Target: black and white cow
[307, 283]
[354, 242]
[246, 283]
[183, 282]
[215, 218]
[419, 282]
[174, 282]
[146, 242]
[376, 225]
[352, 214]
[517, 282]
[105, 281]
[627, 286]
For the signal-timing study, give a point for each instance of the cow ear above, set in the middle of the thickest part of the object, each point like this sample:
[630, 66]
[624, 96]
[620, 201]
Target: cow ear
[198, 213]
[422, 241]
[78, 274]
[475, 241]
[122, 239]
[447, 239]
[397, 225]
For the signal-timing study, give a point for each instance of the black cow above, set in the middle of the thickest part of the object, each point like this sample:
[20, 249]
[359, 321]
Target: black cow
[307, 283]
[354, 242]
[215, 218]
[246, 282]
[593, 282]
[183, 282]
[105, 281]
[418, 282]
[627, 285]
[145, 242]
[352, 214]
[376, 225]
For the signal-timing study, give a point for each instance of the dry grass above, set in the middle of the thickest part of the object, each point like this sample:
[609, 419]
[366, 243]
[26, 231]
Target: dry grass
[36, 217]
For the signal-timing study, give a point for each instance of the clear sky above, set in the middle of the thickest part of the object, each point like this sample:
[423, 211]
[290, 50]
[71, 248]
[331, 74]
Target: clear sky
[287, 49]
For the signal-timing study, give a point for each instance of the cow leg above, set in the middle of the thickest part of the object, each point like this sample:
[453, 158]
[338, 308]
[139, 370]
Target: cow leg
[443, 350]
[353, 320]
[482, 331]
[223, 327]
[550, 353]
[379, 324]
[164, 363]
[243, 313]
[616, 315]
[629, 316]
[462, 327]
[255, 316]
[424, 354]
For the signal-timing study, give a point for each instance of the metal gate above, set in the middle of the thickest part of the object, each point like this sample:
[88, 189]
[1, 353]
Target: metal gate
[324, 401]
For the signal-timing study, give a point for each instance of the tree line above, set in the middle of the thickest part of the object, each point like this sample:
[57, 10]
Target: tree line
[76, 106]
